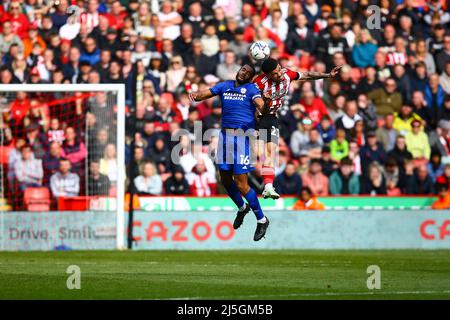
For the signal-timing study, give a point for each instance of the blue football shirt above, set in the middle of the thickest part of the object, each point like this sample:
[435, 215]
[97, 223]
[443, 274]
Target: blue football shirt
[238, 110]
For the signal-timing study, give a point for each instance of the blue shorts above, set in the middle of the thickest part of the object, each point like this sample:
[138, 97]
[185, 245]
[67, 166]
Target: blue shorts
[234, 153]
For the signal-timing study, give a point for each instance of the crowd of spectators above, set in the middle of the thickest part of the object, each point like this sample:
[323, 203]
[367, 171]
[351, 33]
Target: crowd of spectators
[380, 128]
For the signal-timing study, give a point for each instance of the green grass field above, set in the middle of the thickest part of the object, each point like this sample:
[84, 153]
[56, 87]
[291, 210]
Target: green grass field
[405, 274]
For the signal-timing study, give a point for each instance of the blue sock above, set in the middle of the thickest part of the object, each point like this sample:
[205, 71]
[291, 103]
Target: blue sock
[252, 199]
[234, 194]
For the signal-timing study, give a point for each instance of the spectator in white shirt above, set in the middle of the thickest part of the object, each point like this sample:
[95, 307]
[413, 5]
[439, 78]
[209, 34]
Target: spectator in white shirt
[170, 20]
[28, 171]
[277, 24]
[149, 182]
[65, 183]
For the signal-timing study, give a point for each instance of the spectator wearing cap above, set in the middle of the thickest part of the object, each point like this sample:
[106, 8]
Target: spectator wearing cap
[371, 151]
[417, 142]
[315, 179]
[64, 183]
[386, 134]
[343, 181]
[404, 118]
[374, 183]
[288, 182]
[339, 147]
[386, 99]
[308, 201]
[28, 171]
[177, 183]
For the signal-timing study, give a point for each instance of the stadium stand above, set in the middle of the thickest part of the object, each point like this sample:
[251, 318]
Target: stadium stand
[381, 128]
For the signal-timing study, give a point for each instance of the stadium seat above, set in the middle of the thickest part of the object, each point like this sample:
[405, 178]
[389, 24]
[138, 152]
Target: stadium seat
[37, 199]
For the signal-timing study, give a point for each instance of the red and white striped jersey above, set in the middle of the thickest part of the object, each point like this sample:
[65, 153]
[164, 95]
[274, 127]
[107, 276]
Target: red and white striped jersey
[276, 90]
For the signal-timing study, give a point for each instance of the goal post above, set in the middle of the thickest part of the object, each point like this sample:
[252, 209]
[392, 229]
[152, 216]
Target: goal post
[117, 92]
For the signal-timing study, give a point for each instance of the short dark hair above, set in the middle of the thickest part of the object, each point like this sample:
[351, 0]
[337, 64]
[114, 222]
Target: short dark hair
[251, 67]
[307, 189]
[269, 65]
[346, 161]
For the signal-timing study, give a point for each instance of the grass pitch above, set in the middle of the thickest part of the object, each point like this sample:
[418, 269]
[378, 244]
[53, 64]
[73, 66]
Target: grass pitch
[405, 274]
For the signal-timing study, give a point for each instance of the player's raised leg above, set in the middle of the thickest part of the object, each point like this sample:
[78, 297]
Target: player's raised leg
[268, 171]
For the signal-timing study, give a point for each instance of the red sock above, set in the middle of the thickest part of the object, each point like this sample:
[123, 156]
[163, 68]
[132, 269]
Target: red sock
[268, 174]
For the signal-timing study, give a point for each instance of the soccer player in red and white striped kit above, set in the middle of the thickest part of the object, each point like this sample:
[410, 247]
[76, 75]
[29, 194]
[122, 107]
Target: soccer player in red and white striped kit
[274, 82]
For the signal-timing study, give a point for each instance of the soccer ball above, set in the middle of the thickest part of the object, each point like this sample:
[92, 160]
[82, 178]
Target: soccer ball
[259, 50]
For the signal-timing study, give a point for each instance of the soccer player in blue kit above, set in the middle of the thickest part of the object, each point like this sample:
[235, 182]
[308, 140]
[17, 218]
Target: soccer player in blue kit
[240, 100]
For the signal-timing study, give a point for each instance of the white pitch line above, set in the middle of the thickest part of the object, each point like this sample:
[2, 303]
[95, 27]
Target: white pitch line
[315, 294]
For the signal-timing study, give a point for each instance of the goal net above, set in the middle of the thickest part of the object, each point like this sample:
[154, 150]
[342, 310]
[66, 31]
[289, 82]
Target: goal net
[62, 168]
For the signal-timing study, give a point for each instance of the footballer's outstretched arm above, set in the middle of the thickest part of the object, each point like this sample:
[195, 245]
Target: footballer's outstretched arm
[313, 75]
[260, 105]
[201, 95]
